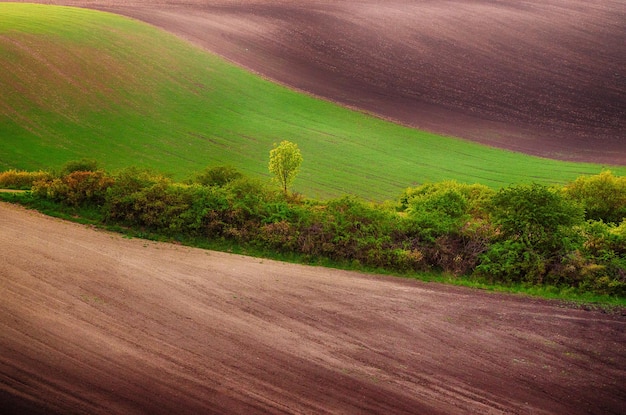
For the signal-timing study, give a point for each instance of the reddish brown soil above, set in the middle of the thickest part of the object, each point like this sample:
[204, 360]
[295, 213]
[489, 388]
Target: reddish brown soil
[544, 77]
[92, 322]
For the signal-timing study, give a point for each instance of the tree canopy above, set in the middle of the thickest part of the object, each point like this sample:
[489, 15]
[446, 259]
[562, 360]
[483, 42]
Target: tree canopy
[285, 161]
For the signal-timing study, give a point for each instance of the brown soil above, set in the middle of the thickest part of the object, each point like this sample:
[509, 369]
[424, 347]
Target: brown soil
[92, 322]
[544, 77]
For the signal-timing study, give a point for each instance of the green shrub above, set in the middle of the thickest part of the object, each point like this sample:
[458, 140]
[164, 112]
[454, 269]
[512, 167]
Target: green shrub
[602, 267]
[208, 212]
[79, 165]
[158, 206]
[281, 235]
[535, 234]
[476, 196]
[536, 215]
[235, 210]
[603, 196]
[607, 279]
[512, 261]
[218, 176]
[345, 229]
[250, 196]
[353, 229]
[459, 253]
[408, 260]
[14, 179]
[600, 238]
[438, 213]
[76, 188]
[122, 198]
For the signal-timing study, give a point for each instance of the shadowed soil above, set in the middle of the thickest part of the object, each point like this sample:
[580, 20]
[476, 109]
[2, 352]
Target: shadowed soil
[540, 77]
[92, 322]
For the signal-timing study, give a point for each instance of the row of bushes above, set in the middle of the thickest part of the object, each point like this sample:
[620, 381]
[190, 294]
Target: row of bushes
[533, 234]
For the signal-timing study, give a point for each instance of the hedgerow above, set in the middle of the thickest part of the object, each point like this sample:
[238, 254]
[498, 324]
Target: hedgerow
[523, 234]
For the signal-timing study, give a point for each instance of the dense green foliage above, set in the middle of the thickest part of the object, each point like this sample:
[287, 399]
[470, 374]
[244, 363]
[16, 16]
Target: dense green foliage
[79, 83]
[526, 234]
[603, 196]
[536, 235]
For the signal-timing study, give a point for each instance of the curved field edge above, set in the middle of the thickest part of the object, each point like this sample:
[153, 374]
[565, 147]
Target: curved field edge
[568, 297]
[81, 83]
[580, 259]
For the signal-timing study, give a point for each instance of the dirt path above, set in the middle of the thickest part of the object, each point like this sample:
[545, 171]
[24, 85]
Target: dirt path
[544, 77]
[92, 322]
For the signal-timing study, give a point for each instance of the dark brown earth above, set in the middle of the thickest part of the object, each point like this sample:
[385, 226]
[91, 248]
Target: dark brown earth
[544, 77]
[92, 322]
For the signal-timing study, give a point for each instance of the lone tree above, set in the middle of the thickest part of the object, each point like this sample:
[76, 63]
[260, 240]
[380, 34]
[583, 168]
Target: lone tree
[285, 160]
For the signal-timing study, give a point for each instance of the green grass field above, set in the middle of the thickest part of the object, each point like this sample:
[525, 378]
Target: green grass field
[78, 83]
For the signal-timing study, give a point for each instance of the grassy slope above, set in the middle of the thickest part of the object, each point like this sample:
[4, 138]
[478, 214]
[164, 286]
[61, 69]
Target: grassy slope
[78, 83]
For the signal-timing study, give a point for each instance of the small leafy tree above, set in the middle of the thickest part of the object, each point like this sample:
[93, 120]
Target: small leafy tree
[285, 161]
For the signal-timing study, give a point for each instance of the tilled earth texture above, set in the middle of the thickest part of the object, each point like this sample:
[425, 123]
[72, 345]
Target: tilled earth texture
[95, 323]
[544, 77]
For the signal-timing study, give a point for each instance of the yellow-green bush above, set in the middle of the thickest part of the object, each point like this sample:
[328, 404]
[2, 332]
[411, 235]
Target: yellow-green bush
[76, 188]
[16, 179]
[603, 196]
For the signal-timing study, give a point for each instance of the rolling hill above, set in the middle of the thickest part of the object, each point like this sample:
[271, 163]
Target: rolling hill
[79, 83]
[542, 77]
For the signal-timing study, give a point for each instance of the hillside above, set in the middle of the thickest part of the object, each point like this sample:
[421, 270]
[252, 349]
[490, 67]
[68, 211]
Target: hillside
[79, 83]
[91, 322]
[543, 77]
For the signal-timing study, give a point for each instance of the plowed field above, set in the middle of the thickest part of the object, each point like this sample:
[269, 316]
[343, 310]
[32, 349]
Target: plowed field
[92, 322]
